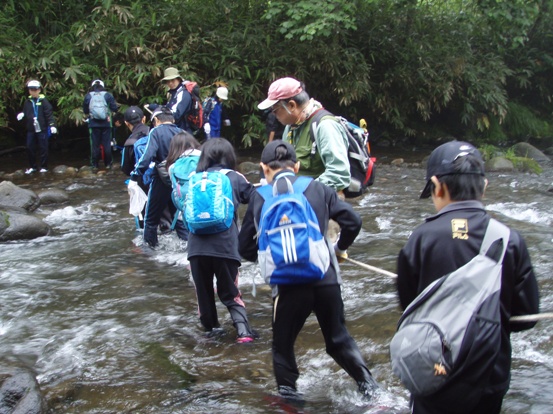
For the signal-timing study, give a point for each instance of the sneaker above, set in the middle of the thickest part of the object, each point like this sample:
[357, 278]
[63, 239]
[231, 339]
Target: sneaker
[244, 339]
[43, 170]
[290, 393]
[29, 170]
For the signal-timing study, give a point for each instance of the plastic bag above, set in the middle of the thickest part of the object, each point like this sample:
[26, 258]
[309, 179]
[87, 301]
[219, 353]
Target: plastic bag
[138, 199]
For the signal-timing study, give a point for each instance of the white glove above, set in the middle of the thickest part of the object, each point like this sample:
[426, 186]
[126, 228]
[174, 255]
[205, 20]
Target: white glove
[207, 128]
[53, 130]
[226, 122]
[20, 116]
[341, 255]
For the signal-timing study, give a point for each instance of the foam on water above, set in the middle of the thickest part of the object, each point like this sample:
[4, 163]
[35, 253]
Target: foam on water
[528, 212]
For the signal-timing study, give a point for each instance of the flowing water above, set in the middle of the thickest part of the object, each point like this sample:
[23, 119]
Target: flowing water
[108, 328]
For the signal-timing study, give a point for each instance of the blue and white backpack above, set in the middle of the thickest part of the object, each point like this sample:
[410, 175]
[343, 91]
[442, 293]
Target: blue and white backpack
[209, 202]
[139, 150]
[292, 249]
[180, 173]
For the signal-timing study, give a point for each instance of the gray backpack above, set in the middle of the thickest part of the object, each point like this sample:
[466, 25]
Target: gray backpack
[98, 106]
[452, 330]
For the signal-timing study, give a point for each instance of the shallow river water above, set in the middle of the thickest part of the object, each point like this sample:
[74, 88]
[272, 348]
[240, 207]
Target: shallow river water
[110, 329]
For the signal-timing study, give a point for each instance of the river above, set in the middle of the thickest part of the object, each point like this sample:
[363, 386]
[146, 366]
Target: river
[108, 328]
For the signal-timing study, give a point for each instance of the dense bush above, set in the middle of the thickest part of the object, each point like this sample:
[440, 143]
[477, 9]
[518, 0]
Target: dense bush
[412, 68]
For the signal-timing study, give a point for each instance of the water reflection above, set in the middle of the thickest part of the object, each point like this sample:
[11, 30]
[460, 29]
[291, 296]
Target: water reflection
[109, 328]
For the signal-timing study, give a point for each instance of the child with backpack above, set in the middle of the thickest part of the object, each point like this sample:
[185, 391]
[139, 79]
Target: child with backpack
[98, 105]
[213, 113]
[295, 299]
[182, 161]
[213, 249]
[444, 243]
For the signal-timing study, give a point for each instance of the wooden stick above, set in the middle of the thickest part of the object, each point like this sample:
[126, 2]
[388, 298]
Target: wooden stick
[371, 268]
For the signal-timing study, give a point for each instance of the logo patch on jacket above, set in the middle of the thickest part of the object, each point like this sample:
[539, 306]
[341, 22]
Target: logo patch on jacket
[460, 229]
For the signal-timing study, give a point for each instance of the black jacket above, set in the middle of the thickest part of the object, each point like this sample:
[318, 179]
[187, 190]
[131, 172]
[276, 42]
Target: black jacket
[326, 204]
[433, 250]
[44, 111]
[225, 244]
[128, 160]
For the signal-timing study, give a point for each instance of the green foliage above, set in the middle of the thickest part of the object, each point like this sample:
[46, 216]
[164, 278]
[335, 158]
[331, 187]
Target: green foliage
[409, 67]
[524, 164]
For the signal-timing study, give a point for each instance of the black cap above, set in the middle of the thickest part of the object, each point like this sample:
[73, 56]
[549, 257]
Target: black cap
[133, 114]
[442, 158]
[269, 153]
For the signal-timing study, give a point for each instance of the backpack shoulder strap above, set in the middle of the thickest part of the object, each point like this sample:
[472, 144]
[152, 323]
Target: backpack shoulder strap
[316, 119]
[301, 184]
[494, 232]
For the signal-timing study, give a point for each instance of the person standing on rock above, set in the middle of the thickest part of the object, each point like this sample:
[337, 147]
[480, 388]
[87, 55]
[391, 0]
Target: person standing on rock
[40, 124]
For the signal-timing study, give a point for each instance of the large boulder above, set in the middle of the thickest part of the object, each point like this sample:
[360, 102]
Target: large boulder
[523, 149]
[20, 393]
[17, 226]
[499, 164]
[53, 196]
[12, 195]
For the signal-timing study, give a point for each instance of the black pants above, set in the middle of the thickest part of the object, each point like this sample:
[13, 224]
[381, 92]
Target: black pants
[100, 136]
[203, 269]
[488, 404]
[159, 199]
[291, 308]
[39, 139]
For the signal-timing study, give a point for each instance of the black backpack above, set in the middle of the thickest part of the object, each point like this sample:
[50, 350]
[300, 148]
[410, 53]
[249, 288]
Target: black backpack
[361, 164]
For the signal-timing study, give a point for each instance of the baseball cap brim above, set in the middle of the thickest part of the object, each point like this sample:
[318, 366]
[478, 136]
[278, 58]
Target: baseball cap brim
[426, 192]
[267, 103]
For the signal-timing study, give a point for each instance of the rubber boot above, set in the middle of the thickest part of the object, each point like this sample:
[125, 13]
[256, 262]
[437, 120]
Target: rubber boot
[150, 235]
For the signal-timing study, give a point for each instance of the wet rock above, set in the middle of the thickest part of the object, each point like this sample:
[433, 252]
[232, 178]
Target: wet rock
[20, 394]
[397, 161]
[86, 171]
[523, 149]
[499, 164]
[53, 196]
[248, 167]
[12, 195]
[65, 170]
[17, 226]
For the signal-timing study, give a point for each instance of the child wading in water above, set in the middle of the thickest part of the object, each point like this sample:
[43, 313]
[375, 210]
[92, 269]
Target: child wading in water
[217, 254]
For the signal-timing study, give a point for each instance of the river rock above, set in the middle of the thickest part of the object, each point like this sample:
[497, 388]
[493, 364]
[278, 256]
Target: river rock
[12, 195]
[86, 171]
[65, 170]
[248, 167]
[20, 393]
[523, 149]
[17, 226]
[499, 164]
[53, 196]
[397, 161]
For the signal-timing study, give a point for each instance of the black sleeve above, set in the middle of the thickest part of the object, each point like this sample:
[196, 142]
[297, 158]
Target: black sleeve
[48, 112]
[247, 241]
[344, 214]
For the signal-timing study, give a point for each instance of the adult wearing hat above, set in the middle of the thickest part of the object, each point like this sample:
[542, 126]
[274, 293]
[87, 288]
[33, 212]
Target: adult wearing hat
[215, 117]
[179, 100]
[292, 304]
[455, 180]
[292, 106]
[40, 123]
[98, 104]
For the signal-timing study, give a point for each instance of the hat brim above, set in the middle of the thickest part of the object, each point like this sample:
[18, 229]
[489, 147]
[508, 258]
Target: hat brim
[426, 192]
[171, 78]
[267, 103]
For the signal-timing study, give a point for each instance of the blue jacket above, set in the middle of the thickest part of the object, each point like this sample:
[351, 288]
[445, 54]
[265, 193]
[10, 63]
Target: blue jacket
[157, 148]
[215, 118]
[180, 103]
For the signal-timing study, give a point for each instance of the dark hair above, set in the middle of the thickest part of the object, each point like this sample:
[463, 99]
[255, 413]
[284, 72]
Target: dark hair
[282, 159]
[97, 87]
[179, 144]
[217, 151]
[118, 117]
[164, 115]
[463, 186]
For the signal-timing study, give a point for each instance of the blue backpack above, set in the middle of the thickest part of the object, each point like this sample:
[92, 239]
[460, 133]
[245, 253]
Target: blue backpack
[292, 249]
[139, 149]
[180, 173]
[209, 205]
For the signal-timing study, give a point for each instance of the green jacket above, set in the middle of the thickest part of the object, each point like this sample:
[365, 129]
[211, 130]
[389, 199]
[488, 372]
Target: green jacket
[329, 164]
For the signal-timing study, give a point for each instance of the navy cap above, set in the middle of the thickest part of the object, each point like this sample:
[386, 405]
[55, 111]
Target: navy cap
[442, 159]
[133, 114]
[269, 153]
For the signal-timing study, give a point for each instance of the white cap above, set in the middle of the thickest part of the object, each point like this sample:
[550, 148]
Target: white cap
[97, 81]
[222, 93]
[34, 84]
